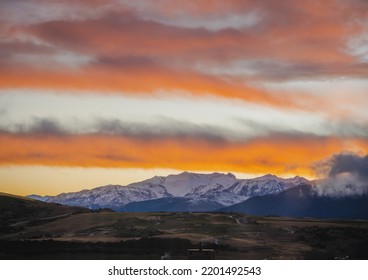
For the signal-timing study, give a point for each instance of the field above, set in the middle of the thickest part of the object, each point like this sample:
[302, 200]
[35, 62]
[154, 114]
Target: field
[109, 235]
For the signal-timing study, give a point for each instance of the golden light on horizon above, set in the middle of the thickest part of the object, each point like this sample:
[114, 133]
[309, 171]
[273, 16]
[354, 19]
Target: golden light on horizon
[100, 90]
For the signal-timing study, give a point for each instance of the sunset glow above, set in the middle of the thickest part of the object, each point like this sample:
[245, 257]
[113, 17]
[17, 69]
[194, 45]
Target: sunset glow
[119, 91]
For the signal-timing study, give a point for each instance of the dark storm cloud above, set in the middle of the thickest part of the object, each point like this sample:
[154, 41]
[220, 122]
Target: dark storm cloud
[346, 174]
[349, 163]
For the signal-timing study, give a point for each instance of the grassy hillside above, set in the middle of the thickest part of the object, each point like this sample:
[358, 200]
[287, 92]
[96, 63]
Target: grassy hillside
[17, 210]
[150, 235]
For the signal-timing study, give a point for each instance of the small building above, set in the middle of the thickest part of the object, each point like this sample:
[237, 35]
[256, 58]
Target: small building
[201, 254]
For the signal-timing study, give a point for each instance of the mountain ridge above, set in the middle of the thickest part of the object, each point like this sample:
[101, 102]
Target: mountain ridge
[194, 192]
[303, 201]
[216, 188]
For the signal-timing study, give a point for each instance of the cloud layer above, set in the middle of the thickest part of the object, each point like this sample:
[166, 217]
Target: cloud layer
[122, 46]
[248, 86]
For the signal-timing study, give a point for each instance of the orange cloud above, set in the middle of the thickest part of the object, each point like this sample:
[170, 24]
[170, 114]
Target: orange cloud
[293, 32]
[278, 155]
[132, 53]
[131, 80]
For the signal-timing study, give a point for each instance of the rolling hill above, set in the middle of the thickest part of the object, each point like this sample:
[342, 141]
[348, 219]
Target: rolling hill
[19, 210]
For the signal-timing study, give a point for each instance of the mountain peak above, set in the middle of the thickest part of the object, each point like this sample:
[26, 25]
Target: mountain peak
[231, 175]
[268, 177]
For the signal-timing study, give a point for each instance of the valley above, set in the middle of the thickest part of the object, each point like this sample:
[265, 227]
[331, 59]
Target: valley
[109, 235]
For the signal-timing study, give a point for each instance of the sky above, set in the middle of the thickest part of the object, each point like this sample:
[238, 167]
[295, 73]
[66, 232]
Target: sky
[97, 92]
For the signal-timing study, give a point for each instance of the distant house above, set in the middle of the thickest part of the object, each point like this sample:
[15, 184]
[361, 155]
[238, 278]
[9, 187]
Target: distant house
[201, 254]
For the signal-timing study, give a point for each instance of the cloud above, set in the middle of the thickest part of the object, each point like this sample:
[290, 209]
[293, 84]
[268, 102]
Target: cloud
[280, 154]
[349, 163]
[164, 128]
[137, 29]
[35, 11]
[37, 126]
[45, 126]
[127, 33]
[3, 111]
[139, 48]
[160, 126]
[279, 70]
[116, 78]
[346, 174]
[348, 128]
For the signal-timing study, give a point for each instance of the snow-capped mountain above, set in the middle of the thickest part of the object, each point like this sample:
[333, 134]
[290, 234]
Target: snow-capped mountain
[181, 184]
[214, 189]
[229, 192]
[111, 196]
[267, 184]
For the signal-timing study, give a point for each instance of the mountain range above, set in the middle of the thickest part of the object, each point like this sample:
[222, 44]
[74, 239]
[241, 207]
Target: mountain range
[193, 192]
[199, 192]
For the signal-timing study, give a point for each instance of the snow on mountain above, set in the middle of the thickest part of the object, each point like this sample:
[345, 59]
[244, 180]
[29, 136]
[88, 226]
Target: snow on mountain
[232, 190]
[267, 184]
[215, 188]
[181, 184]
[111, 196]
[218, 194]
